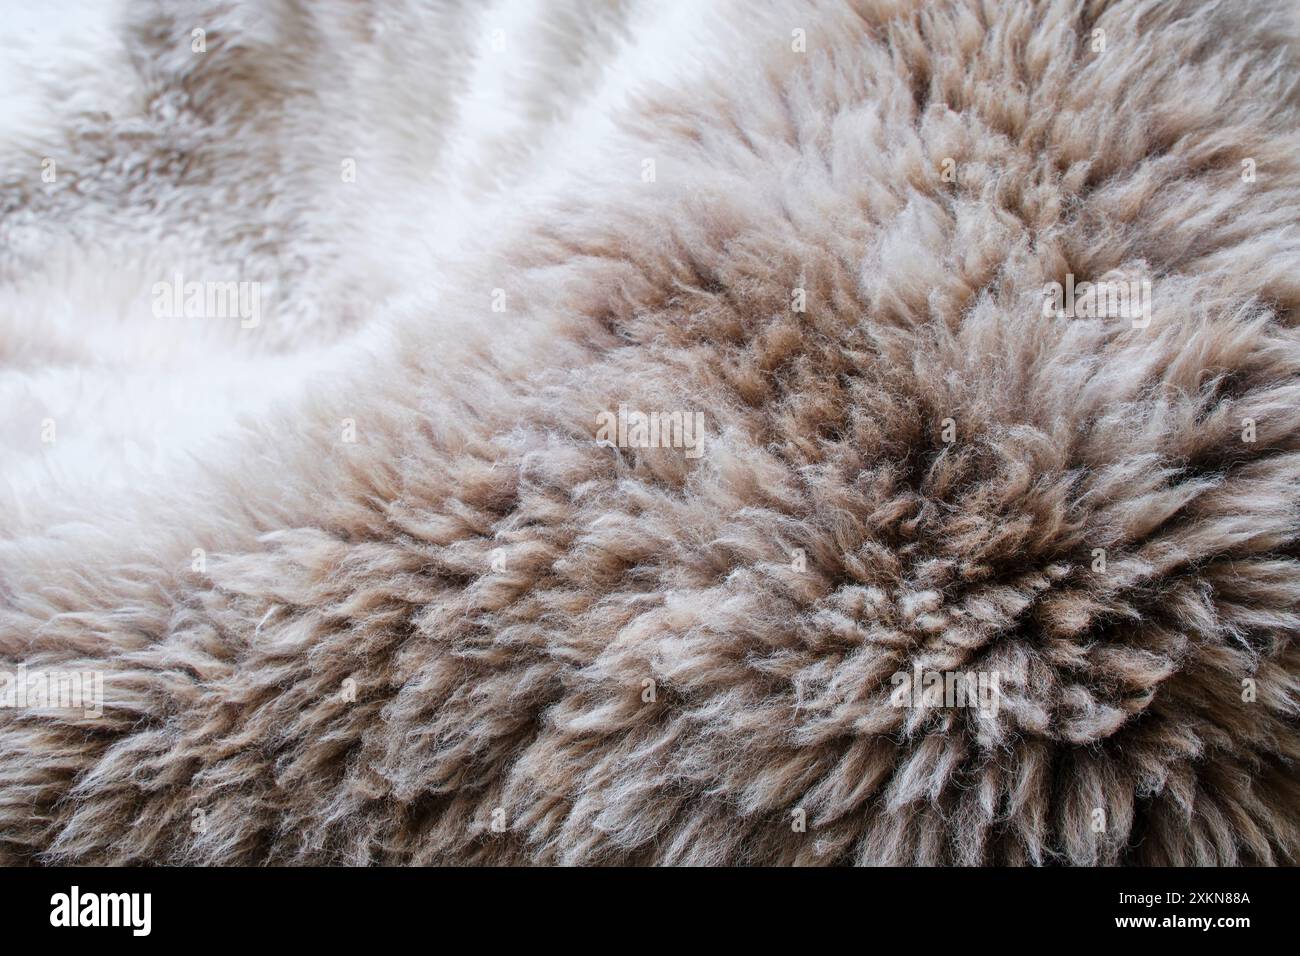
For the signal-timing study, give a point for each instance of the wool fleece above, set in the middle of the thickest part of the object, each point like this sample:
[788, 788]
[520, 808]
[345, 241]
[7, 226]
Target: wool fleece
[670, 433]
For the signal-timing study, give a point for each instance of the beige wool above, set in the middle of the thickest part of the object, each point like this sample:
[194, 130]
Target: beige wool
[478, 634]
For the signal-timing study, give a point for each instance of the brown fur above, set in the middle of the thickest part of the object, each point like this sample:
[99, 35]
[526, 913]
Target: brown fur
[500, 586]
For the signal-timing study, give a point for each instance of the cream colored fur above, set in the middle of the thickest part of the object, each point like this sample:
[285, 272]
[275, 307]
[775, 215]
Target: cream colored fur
[477, 634]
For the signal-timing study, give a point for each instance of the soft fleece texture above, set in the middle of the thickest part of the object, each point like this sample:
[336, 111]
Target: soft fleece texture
[497, 587]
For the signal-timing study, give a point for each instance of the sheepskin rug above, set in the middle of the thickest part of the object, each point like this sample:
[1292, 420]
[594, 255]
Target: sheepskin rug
[644, 421]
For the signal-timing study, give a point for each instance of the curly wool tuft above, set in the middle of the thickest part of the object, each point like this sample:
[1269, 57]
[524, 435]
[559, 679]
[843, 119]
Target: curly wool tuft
[478, 634]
